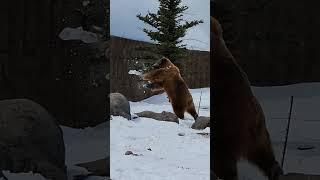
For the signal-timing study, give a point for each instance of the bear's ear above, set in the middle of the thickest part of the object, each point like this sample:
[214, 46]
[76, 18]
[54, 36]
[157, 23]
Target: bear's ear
[160, 63]
[216, 28]
[163, 59]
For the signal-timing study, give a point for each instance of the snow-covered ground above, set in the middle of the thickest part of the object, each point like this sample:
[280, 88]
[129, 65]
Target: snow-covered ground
[304, 127]
[187, 157]
[170, 156]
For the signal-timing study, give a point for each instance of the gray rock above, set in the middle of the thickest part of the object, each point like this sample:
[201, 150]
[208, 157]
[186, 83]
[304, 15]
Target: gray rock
[128, 153]
[30, 140]
[119, 105]
[163, 116]
[201, 123]
[97, 168]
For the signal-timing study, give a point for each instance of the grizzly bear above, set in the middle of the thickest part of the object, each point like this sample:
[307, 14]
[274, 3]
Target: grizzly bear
[166, 76]
[239, 123]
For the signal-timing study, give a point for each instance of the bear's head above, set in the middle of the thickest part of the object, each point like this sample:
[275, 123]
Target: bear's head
[216, 29]
[162, 63]
[161, 72]
[220, 52]
[165, 63]
[226, 71]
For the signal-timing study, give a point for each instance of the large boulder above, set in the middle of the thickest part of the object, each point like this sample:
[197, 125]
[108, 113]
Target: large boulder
[119, 105]
[163, 116]
[30, 140]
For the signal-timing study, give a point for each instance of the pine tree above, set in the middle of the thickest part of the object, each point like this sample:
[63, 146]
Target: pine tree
[169, 27]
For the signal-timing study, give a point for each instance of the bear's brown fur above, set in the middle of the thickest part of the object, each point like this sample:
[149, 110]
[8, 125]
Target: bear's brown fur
[166, 76]
[240, 130]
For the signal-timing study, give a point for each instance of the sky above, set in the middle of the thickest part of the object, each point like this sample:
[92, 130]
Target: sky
[124, 23]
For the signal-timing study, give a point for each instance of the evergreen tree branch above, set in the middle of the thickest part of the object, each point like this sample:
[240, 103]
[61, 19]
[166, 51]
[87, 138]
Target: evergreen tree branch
[169, 29]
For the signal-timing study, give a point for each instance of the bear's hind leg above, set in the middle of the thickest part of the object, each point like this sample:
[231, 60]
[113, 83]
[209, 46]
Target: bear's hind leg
[179, 114]
[178, 110]
[192, 110]
[263, 157]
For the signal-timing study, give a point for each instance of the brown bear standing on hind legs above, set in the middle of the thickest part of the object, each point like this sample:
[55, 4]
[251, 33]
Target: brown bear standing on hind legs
[166, 76]
[240, 129]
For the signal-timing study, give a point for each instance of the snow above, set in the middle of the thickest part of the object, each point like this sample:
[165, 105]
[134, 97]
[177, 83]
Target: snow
[172, 156]
[135, 72]
[304, 127]
[124, 23]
